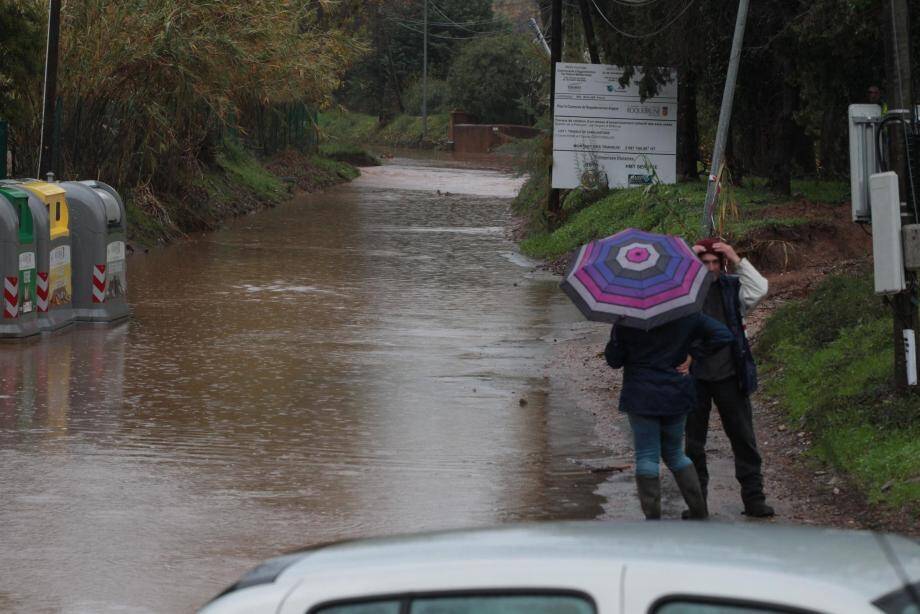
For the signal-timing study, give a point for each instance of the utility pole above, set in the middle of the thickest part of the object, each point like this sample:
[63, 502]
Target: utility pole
[555, 56]
[536, 28]
[897, 60]
[425, 76]
[589, 31]
[46, 151]
[725, 116]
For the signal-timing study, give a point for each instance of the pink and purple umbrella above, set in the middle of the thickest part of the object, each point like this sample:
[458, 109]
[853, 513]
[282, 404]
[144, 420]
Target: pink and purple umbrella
[636, 278]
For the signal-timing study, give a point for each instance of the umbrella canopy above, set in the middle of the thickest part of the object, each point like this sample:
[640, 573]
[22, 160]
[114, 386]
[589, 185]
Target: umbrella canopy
[637, 278]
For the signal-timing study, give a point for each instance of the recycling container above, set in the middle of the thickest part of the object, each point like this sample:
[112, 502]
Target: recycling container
[56, 287]
[98, 232]
[17, 265]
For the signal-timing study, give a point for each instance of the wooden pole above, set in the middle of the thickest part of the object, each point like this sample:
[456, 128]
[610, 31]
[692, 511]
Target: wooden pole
[425, 76]
[553, 207]
[589, 31]
[46, 152]
[897, 51]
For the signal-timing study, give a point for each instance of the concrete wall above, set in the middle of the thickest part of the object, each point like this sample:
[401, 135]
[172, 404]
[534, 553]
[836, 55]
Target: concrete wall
[458, 117]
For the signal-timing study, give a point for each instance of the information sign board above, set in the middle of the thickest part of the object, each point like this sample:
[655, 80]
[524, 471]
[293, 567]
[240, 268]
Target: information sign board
[604, 131]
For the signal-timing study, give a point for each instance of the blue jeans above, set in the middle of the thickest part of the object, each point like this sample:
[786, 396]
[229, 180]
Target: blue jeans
[657, 437]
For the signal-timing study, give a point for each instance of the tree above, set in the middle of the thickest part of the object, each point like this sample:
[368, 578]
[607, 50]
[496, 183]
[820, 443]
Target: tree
[804, 61]
[499, 80]
[149, 86]
[693, 38]
[394, 28]
[22, 37]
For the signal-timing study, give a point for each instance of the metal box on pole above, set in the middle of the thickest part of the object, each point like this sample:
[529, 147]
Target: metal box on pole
[887, 253]
[98, 228]
[910, 235]
[864, 120]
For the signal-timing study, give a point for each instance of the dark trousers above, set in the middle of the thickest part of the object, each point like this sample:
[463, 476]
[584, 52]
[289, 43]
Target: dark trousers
[738, 421]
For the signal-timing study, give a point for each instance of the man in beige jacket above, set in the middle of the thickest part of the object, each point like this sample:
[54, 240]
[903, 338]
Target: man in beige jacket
[729, 377]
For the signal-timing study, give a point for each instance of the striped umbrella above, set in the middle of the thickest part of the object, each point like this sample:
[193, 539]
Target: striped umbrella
[636, 278]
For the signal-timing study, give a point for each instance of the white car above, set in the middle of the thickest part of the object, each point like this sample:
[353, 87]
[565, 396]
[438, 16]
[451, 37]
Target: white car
[588, 567]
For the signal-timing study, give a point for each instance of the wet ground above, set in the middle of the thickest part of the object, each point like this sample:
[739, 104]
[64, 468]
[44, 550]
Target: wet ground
[366, 361]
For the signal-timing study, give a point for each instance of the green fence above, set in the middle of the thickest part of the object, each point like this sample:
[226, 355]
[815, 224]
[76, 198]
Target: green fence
[269, 129]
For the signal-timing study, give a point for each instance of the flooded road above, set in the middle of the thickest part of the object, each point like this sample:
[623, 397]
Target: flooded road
[365, 361]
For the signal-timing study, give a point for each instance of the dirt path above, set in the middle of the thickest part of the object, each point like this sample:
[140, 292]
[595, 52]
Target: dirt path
[801, 490]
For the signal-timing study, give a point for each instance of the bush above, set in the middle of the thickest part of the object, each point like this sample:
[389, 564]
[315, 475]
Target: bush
[438, 97]
[530, 202]
[499, 80]
[352, 154]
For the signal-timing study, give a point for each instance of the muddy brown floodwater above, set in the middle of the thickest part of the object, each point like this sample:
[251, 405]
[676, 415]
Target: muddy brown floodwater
[366, 361]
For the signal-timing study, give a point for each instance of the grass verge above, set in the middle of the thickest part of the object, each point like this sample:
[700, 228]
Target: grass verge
[356, 129]
[671, 209]
[352, 154]
[828, 360]
[236, 184]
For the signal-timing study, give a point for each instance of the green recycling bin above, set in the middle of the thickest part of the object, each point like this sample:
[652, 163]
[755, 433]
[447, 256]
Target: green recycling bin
[18, 265]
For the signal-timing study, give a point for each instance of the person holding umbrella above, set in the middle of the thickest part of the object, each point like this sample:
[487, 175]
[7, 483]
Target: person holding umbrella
[651, 287]
[657, 394]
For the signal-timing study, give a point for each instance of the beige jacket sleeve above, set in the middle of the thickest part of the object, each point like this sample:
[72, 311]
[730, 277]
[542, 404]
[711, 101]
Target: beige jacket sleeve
[754, 286]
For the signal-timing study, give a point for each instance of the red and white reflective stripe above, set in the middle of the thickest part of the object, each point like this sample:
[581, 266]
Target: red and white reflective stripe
[10, 297]
[99, 283]
[41, 291]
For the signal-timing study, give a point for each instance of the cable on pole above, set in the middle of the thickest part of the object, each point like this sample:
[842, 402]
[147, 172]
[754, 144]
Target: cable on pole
[647, 34]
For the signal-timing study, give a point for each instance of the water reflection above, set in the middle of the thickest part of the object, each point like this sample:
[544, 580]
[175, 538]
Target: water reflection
[364, 361]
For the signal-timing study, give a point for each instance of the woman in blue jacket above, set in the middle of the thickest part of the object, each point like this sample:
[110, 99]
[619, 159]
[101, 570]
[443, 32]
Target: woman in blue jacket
[657, 394]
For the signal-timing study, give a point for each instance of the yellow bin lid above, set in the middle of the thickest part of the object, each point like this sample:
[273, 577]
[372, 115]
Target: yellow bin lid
[55, 198]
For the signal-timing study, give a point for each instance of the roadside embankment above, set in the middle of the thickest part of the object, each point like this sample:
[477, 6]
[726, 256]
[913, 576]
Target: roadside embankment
[340, 128]
[839, 446]
[829, 361]
[749, 215]
[236, 183]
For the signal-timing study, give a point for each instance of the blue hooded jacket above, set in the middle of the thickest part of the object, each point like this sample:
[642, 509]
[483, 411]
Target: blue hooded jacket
[651, 384]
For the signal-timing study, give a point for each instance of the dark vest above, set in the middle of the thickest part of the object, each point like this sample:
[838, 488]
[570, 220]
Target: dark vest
[745, 369]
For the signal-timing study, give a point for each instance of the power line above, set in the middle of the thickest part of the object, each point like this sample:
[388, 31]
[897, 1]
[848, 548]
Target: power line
[634, 3]
[448, 18]
[443, 24]
[453, 38]
[406, 21]
[647, 34]
[452, 22]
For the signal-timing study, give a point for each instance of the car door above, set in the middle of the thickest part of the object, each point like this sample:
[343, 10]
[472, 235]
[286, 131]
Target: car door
[710, 588]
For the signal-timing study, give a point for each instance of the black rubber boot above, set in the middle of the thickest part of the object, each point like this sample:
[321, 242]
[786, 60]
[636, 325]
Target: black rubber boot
[758, 509]
[689, 485]
[649, 496]
[685, 515]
